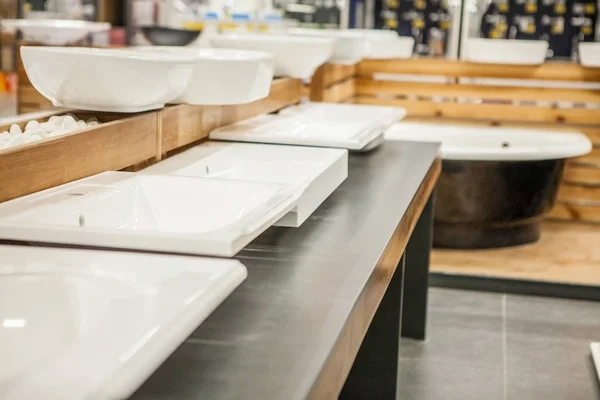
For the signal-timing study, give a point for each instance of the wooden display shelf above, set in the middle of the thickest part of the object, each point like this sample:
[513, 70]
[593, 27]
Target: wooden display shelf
[332, 83]
[567, 254]
[122, 141]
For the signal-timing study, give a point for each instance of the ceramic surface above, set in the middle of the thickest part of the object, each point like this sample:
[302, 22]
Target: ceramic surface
[83, 324]
[113, 80]
[320, 171]
[505, 51]
[53, 31]
[223, 76]
[589, 54]
[493, 144]
[350, 47]
[382, 44]
[348, 126]
[295, 56]
[161, 213]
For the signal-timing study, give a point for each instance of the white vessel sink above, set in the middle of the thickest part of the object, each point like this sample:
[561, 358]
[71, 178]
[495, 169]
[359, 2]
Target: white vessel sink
[319, 170]
[161, 213]
[347, 126]
[113, 80]
[589, 54]
[595, 348]
[506, 51]
[295, 56]
[383, 44]
[53, 31]
[350, 47]
[83, 324]
[222, 76]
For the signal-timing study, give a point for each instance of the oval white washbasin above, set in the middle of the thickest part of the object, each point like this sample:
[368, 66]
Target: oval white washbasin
[53, 31]
[383, 44]
[295, 56]
[112, 80]
[493, 144]
[222, 76]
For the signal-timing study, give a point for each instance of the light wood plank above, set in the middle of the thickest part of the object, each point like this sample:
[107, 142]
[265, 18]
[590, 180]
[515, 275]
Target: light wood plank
[567, 253]
[454, 68]
[576, 212]
[583, 193]
[582, 175]
[489, 112]
[339, 92]
[371, 87]
[110, 146]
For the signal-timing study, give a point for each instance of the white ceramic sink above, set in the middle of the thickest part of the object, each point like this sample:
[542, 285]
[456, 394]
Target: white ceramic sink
[595, 348]
[347, 126]
[113, 80]
[53, 31]
[83, 324]
[506, 51]
[223, 76]
[350, 47]
[589, 54]
[295, 56]
[319, 170]
[384, 44]
[161, 213]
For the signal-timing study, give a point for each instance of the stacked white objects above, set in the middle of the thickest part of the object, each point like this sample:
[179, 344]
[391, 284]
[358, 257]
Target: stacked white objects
[83, 324]
[348, 126]
[320, 171]
[136, 80]
[350, 46]
[36, 131]
[177, 214]
[384, 44]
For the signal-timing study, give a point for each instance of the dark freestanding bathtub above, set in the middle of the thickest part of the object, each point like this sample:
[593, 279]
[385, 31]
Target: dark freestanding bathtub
[496, 183]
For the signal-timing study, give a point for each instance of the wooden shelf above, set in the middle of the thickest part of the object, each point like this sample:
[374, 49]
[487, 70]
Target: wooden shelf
[567, 253]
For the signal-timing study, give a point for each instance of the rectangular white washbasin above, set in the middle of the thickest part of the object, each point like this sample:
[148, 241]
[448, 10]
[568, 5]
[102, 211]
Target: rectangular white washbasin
[150, 212]
[86, 324]
[348, 126]
[319, 170]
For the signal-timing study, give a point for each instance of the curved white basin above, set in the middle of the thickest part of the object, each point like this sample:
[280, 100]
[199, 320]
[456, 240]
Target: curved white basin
[350, 47]
[493, 144]
[53, 31]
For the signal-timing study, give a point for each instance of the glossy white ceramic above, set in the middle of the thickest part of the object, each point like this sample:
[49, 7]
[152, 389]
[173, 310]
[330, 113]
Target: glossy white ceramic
[383, 44]
[295, 56]
[595, 348]
[350, 47]
[319, 170]
[53, 31]
[493, 144]
[84, 324]
[347, 126]
[114, 80]
[589, 54]
[223, 76]
[505, 51]
[150, 212]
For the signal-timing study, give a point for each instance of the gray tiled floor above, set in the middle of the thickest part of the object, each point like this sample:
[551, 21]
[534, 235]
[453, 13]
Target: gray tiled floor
[496, 346]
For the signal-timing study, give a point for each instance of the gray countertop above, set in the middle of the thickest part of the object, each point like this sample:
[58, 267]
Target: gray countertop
[270, 339]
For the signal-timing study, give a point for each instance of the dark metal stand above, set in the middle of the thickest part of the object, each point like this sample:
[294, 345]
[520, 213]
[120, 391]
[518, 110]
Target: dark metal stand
[374, 374]
[416, 274]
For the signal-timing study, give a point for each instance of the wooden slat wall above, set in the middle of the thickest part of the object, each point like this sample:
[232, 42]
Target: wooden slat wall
[462, 101]
[332, 83]
[122, 141]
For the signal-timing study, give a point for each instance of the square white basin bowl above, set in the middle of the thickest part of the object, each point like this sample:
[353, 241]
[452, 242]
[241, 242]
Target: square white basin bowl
[589, 54]
[83, 324]
[112, 80]
[150, 212]
[295, 56]
[319, 170]
[506, 51]
[345, 126]
[350, 47]
[223, 76]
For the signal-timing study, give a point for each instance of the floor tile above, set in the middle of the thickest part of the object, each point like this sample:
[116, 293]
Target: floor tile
[427, 379]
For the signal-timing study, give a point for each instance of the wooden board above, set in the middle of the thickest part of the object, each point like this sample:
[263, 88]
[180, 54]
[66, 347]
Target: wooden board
[454, 68]
[113, 145]
[332, 83]
[567, 253]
